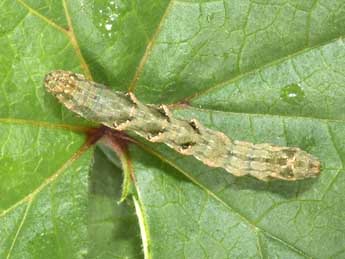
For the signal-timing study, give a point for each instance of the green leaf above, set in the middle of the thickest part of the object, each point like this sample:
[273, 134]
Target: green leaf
[113, 229]
[260, 71]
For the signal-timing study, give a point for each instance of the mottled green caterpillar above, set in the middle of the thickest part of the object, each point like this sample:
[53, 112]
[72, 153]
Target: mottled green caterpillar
[122, 111]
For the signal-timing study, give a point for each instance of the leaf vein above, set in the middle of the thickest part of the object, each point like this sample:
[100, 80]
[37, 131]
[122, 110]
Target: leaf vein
[44, 18]
[50, 179]
[223, 84]
[19, 229]
[281, 116]
[74, 42]
[148, 50]
[43, 124]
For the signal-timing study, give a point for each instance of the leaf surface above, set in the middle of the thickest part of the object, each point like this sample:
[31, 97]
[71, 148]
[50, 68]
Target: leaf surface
[260, 71]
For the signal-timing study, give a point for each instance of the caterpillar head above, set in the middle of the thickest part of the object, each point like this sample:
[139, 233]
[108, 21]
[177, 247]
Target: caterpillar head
[63, 84]
[299, 165]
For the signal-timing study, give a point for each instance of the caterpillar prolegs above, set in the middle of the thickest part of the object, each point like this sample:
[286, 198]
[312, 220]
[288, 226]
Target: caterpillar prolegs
[122, 111]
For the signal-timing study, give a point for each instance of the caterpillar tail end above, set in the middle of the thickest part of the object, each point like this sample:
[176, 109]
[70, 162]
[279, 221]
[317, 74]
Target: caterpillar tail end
[299, 166]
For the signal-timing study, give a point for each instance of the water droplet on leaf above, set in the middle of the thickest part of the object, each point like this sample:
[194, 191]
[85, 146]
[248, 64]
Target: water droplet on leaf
[292, 93]
[107, 17]
[108, 26]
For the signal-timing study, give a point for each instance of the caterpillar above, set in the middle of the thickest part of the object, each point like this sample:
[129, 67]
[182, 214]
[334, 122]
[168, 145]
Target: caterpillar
[122, 111]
